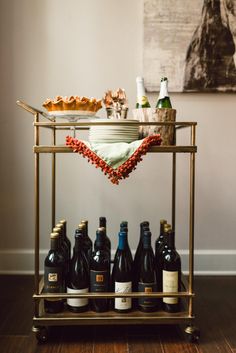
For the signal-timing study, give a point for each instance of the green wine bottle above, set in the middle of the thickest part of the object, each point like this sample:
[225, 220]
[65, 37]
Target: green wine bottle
[142, 100]
[164, 99]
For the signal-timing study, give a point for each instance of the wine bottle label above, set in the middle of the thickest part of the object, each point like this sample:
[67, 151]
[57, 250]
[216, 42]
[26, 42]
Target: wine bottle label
[142, 100]
[77, 302]
[163, 90]
[53, 280]
[123, 303]
[99, 281]
[147, 288]
[170, 284]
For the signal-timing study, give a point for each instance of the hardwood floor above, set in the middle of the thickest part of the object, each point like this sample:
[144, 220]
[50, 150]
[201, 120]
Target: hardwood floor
[215, 308]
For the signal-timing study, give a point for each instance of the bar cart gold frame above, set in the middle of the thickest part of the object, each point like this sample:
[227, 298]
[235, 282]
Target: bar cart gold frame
[42, 320]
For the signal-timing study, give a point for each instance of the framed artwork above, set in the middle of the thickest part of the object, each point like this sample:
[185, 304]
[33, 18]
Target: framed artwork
[192, 42]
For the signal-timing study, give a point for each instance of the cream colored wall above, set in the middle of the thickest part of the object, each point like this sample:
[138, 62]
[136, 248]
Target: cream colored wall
[51, 47]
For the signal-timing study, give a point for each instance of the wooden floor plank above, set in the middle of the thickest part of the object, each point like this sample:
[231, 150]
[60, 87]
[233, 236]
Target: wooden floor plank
[146, 341]
[52, 346]
[209, 310]
[110, 339]
[173, 341]
[16, 293]
[77, 340]
[10, 344]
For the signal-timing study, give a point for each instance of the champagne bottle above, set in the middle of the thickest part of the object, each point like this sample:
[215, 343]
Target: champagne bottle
[78, 280]
[87, 242]
[122, 275]
[164, 99]
[142, 100]
[64, 236]
[147, 281]
[171, 274]
[100, 271]
[54, 275]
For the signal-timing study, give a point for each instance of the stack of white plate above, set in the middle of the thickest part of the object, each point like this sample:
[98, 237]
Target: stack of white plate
[123, 131]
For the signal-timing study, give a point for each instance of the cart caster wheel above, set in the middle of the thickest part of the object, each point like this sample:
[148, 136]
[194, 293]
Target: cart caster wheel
[41, 334]
[192, 334]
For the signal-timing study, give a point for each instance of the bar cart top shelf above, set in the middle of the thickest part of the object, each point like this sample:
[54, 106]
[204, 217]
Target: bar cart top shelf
[51, 123]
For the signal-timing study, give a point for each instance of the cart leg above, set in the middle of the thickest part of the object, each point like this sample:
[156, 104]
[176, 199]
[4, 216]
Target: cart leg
[192, 333]
[41, 333]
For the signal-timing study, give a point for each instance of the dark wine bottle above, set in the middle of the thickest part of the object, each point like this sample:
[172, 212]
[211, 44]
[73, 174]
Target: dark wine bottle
[139, 249]
[171, 274]
[160, 240]
[143, 226]
[63, 248]
[159, 256]
[78, 280]
[100, 272]
[103, 224]
[122, 275]
[147, 281]
[87, 242]
[124, 227]
[54, 275]
[65, 239]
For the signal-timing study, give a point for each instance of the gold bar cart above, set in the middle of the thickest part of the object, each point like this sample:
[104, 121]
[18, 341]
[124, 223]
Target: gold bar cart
[42, 320]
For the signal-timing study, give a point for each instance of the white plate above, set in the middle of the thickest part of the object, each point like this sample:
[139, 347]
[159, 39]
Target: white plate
[119, 121]
[72, 114]
[113, 134]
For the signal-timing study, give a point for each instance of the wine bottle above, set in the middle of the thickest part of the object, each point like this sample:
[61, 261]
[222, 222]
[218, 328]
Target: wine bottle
[103, 224]
[171, 274]
[122, 275]
[54, 275]
[78, 280]
[160, 239]
[142, 100]
[100, 271]
[164, 99]
[124, 227]
[143, 225]
[62, 248]
[147, 281]
[87, 242]
[159, 256]
[64, 236]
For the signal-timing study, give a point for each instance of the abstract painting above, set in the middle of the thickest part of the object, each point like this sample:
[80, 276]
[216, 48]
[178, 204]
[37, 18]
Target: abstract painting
[192, 42]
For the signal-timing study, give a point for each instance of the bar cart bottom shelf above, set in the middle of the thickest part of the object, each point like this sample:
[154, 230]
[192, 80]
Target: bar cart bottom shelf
[42, 323]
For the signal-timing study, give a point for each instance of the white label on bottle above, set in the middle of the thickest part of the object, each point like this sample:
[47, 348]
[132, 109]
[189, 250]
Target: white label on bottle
[123, 303]
[77, 302]
[170, 284]
[163, 90]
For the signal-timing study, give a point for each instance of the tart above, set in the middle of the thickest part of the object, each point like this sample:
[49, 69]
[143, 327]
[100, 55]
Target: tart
[73, 103]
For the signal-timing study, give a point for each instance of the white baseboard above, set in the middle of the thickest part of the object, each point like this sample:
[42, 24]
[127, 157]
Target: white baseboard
[207, 262]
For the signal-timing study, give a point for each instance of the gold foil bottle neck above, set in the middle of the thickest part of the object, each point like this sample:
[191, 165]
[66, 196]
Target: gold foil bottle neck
[54, 235]
[167, 227]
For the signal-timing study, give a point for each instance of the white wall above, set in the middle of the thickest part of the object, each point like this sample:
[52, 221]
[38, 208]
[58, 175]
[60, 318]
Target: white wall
[51, 47]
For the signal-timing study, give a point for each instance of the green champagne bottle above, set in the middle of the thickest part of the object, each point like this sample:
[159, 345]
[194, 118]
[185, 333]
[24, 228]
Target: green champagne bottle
[164, 99]
[142, 100]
